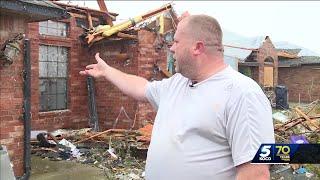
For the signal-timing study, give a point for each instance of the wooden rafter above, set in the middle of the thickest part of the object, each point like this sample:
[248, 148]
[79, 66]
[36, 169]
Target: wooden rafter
[103, 8]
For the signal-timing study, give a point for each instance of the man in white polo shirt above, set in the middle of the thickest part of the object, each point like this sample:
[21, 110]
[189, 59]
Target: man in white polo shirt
[210, 119]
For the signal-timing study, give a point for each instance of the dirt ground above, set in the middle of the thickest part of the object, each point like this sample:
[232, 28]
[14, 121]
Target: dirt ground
[45, 169]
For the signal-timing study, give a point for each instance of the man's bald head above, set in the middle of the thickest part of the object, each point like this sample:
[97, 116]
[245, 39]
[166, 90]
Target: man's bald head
[203, 28]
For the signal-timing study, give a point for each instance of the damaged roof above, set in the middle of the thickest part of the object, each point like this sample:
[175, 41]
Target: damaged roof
[303, 60]
[290, 51]
[240, 47]
[33, 10]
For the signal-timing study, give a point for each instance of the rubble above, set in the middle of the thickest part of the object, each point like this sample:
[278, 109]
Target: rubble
[301, 120]
[297, 125]
[120, 153]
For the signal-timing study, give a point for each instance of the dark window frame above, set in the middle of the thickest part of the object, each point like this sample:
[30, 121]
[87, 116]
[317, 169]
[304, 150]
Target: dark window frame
[55, 79]
[67, 29]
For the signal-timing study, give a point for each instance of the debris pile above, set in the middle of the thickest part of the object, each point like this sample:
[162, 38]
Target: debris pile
[120, 153]
[123, 30]
[298, 125]
[303, 120]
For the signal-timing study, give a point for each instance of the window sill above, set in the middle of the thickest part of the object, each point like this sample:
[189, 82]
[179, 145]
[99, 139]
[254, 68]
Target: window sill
[56, 112]
[55, 40]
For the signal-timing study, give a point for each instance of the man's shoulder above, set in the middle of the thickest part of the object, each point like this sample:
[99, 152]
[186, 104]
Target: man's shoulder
[175, 79]
[244, 83]
[241, 85]
[167, 83]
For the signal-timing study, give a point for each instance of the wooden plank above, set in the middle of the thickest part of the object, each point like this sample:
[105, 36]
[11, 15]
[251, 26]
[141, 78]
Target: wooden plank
[89, 20]
[103, 8]
[129, 36]
[311, 124]
[287, 55]
[99, 134]
[268, 77]
[83, 16]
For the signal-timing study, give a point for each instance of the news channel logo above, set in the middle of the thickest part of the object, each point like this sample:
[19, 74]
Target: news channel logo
[270, 152]
[287, 153]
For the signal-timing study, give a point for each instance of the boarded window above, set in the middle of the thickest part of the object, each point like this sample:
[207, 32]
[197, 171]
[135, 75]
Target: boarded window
[268, 77]
[53, 28]
[53, 66]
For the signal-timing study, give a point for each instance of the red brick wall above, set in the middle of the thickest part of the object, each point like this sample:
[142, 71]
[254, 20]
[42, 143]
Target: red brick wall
[108, 97]
[76, 114]
[149, 56]
[267, 50]
[142, 57]
[255, 73]
[11, 95]
[298, 80]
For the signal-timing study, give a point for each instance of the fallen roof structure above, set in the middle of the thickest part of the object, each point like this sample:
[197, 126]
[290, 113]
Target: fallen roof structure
[101, 32]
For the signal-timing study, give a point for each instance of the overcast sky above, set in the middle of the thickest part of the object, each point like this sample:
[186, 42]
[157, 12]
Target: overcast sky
[292, 21]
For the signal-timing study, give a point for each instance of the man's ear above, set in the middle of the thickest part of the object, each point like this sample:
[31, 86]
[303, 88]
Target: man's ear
[198, 48]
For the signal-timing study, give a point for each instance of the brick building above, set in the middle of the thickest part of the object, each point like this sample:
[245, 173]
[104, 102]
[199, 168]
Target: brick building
[262, 64]
[269, 67]
[301, 75]
[59, 95]
[14, 17]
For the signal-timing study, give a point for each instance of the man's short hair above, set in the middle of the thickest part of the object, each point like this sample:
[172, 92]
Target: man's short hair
[205, 28]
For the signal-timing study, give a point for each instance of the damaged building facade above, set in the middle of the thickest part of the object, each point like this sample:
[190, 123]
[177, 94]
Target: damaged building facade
[61, 98]
[59, 95]
[15, 76]
[260, 60]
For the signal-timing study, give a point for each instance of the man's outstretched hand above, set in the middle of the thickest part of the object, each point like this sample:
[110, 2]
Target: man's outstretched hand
[96, 70]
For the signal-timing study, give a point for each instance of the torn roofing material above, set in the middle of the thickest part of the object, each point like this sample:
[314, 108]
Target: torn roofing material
[303, 60]
[290, 51]
[100, 32]
[240, 47]
[33, 10]
[94, 12]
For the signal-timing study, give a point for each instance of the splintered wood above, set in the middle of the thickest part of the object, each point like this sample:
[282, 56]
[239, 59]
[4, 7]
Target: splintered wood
[141, 135]
[302, 120]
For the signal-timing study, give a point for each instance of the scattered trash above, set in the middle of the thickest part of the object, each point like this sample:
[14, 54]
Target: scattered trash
[74, 151]
[309, 175]
[280, 117]
[122, 158]
[298, 125]
[301, 126]
[301, 170]
[300, 139]
[284, 168]
[43, 141]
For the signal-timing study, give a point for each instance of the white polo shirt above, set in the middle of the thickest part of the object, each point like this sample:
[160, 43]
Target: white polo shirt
[203, 132]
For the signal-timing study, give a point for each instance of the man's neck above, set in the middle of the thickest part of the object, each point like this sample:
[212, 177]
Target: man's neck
[209, 70]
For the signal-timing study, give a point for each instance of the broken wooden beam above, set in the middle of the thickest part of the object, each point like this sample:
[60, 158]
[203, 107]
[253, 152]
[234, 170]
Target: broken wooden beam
[312, 125]
[103, 8]
[124, 35]
[101, 133]
[83, 16]
[89, 20]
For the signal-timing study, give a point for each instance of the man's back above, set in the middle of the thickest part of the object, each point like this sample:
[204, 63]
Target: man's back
[199, 132]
